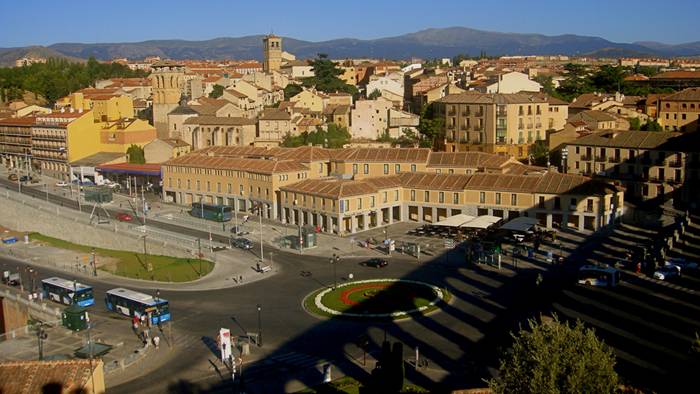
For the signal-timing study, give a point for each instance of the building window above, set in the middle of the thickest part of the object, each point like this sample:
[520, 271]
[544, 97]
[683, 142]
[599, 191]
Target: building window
[397, 168]
[557, 203]
[354, 169]
[366, 169]
[441, 197]
[198, 185]
[359, 203]
[426, 196]
[228, 188]
[589, 205]
[371, 201]
[178, 183]
[385, 197]
[498, 198]
[513, 199]
[240, 190]
[396, 195]
[386, 169]
[482, 197]
[189, 185]
[170, 182]
[455, 198]
[413, 195]
[540, 203]
[413, 168]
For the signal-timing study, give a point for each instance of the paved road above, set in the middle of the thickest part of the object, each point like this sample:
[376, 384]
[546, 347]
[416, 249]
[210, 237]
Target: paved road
[649, 323]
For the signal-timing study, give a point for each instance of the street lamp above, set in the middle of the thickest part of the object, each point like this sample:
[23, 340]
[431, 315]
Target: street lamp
[259, 326]
[334, 260]
[94, 262]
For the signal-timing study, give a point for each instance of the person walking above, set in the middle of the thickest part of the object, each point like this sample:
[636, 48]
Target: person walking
[156, 341]
[135, 323]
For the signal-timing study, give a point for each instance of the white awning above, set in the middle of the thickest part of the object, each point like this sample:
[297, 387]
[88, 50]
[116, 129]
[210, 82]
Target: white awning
[454, 221]
[482, 222]
[521, 223]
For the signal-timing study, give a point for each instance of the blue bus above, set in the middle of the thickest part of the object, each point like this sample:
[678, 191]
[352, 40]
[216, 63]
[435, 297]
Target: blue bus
[67, 292]
[217, 213]
[132, 303]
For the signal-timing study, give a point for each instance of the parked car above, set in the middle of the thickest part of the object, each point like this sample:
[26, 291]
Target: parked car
[376, 263]
[25, 178]
[12, 177]
[239, 230]
[242, 243]
[124, 217]
[666, 272]
[684, 264]
[61, 184]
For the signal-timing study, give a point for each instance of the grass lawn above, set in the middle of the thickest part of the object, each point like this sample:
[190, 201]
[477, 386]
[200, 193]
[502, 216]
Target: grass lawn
[393, 297]
[348, 385]
[135, 265]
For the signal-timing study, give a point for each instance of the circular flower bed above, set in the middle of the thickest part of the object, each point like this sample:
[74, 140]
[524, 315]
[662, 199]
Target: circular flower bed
[376, 298]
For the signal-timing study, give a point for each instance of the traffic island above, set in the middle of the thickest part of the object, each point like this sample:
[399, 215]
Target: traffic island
[131, 264]
[376, 299]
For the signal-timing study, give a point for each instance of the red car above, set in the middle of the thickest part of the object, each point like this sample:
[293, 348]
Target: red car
[124, 217]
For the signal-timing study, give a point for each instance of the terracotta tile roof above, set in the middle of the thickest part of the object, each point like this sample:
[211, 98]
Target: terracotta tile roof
[558, 183]
[626, 139]
[430, 181]
[175, 142]
[268, 167]
[471, 97]
[677, 75]
[502, 182]
[592, 115]
[29, 377]
[219, 121]
[27, 121]
[331, 188]
[239, 151]
[400, 155]
[466, 160]
[690, 94]
[274, 114]
[306, 154]
[587, 99]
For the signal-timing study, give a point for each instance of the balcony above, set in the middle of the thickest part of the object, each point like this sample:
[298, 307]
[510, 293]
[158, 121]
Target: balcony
[49, 137]
[521, 126]
[675, 164]
[538, 125]
[502, 113]
[464, 127]
[601, 159]
[645, 160]
[655, 179]
[451, 113]
[588, 209]
[479, 114]
[674, 181]
[586, 157]
[614, 160]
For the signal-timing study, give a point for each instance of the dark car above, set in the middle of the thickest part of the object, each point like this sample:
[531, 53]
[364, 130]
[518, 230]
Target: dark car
[242, 243]
[239, 230]
[25, 178]
[376, 263]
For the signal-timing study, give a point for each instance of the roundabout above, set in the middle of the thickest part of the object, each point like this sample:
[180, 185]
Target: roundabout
[376, 299]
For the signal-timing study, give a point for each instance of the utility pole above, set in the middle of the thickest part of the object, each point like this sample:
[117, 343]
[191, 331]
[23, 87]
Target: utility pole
[47, 191]
[259, 326]
[94, 262]
[260, 213]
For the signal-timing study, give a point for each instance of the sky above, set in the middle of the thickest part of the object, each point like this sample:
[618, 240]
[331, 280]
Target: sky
[45, 22]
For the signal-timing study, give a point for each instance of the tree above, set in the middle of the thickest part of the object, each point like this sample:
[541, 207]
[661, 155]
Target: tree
[651, 125]
[216, 91]
[136, 155]
[326, 77]
[430, 125]
[333, 136]
[374, 95]
[555, 357]
[292, 90]
[635, 123]
[388, 374]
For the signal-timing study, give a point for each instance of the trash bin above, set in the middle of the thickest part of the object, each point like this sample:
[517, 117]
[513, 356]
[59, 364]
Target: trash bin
[75, 318]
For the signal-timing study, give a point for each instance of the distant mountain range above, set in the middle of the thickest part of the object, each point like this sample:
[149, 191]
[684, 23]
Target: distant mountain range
[430, 43]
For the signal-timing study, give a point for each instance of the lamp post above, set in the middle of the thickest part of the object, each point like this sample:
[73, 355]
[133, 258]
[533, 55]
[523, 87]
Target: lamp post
[94, 262]
[334, 260]
[259, 326]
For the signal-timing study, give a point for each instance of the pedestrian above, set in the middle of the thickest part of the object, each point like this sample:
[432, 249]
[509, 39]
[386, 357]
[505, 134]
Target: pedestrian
[638, 268]
[143, 320]
[135, 323]
[156, 341]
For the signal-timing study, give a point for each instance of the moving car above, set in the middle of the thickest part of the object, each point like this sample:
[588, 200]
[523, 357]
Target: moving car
[667, 271]
[12, 177]
[124, 217]
[25, 178]
[61, 184]
[242, 243]
[376, 263]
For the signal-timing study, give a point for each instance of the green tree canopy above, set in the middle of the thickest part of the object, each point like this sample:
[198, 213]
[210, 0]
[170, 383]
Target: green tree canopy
[58, 77]
[431, 125]
[555, 357]
[326, 77]
[375, 94]
[333, 136]
[292, 90]
[635, 123]
[216, 91]
[136, 155]
[651, 125]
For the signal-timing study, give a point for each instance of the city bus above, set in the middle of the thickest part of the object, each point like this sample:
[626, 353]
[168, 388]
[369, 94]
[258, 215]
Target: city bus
[217, 213]
[132, 303]
[592, 275]
[67, 292]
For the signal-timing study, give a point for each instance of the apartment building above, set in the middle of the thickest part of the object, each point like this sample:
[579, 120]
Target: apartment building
[680, 111]
[648, 164]
[16, 142]
[204, 131]
[499, 123]
[349, 190]
[273, 125]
